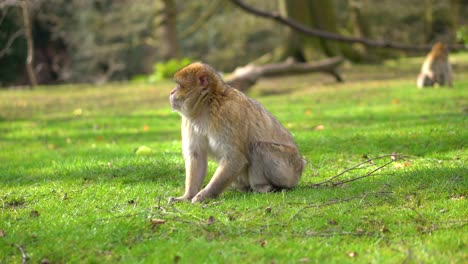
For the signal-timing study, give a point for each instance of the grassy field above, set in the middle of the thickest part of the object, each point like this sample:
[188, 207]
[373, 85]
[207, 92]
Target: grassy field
[73, 190]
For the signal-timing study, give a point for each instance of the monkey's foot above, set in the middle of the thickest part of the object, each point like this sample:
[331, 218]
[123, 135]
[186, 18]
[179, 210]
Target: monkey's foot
[198, 198]
[203, 196]
[178, 199]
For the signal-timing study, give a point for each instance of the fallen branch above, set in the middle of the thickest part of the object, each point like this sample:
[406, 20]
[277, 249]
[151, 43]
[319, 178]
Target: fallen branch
[245, 77]
[333, 36]
[330, 182]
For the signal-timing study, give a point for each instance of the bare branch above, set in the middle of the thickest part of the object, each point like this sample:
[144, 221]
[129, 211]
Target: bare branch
[393, 157]
[4, 14]
[333, 36]
[370, 173]
[113, 66]
[210, 11]
[6, 50]
[7, 3]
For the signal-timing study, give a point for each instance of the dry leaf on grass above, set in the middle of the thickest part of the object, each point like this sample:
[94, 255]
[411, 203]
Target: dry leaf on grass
[319, 127]
[156, 222]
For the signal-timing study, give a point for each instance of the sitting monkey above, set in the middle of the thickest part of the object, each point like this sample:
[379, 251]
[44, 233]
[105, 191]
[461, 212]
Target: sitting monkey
[253, 150]
[436, 68]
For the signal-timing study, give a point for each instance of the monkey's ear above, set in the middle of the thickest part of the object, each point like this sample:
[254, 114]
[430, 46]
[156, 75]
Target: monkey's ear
[204, 81]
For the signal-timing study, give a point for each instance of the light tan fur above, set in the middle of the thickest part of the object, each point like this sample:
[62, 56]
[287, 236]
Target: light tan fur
[436, 68]
[253, 150]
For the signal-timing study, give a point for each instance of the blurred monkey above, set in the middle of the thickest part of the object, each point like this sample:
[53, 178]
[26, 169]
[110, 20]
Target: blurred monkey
[436, 68]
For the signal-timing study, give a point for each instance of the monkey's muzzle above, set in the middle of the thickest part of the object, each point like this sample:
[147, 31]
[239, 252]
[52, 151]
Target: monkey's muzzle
[176, 103]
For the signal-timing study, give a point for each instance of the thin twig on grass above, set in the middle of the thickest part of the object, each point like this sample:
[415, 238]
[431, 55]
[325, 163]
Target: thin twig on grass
[336, 201]
[160, 207]
[330, 182]
[363, 176]
[420, 218]
[3, 206]
[335, 233]
[24, 256]
[434, 227]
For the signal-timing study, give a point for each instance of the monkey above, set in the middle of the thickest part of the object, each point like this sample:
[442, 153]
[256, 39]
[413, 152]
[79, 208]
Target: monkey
[253, 150]
[436, 68]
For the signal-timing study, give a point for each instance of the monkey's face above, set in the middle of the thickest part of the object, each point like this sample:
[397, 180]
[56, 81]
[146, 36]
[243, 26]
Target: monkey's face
[185, 99]
[195, 83]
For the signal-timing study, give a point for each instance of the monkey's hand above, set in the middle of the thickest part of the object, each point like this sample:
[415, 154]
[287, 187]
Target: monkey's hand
[178, 199]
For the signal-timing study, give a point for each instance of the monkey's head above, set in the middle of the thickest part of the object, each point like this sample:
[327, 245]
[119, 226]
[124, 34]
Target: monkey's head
[440, 49]
[195, 85]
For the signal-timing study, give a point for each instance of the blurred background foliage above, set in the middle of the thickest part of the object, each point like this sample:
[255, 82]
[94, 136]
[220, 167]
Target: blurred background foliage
[110, 40]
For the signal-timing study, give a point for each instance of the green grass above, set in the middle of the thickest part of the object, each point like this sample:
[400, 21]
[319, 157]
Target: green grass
[73, 190]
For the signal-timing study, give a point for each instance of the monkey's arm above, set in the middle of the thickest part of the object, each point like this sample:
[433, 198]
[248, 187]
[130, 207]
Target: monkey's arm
[195, 171]
[228, 169]
[196, 160]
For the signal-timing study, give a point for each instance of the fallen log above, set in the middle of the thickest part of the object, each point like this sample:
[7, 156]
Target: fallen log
[245, 77]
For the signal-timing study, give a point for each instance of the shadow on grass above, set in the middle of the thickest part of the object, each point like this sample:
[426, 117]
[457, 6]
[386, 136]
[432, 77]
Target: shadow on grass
[150, 127]
[167, 168]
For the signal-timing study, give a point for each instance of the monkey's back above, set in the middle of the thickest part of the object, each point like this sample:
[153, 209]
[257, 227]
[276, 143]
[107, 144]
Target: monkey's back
[261, 124]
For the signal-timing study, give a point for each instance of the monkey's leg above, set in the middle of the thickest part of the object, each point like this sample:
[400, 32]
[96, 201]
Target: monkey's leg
[441, 79]
[449, 75]
[424, 80]
[274, 166]
[225, 174]
[241, 182]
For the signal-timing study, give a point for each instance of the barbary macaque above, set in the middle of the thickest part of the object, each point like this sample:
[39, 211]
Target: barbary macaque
[253, 150]
[436, 68]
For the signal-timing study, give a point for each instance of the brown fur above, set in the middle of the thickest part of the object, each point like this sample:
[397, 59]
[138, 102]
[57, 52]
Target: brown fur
[436, 68]
[253, 150]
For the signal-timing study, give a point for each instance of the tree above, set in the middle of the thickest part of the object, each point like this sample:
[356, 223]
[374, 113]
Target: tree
[170, 44]
[29, 39]
[333, 36]
[25, 31]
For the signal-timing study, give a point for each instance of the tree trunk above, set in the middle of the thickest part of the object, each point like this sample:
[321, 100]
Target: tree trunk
[30, 43]
[315, 14]
[360, 28]
[170, 47]
[428, 19]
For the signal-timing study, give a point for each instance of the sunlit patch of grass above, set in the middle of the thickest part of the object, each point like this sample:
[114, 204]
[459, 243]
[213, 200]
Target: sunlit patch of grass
[72, 188]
